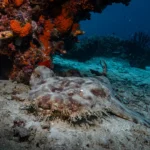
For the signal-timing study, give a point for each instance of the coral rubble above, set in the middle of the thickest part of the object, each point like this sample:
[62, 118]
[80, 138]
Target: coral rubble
[31, 31]
[75, 99]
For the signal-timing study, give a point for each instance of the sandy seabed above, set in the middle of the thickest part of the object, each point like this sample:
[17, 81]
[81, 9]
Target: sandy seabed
[21, 130]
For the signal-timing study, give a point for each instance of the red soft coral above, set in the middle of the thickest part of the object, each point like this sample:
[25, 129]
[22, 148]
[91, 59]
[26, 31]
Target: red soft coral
[45, 37]
[63, 22]
[22, 31]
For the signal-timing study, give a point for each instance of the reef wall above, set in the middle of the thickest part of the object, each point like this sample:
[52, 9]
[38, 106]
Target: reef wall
[31, 31]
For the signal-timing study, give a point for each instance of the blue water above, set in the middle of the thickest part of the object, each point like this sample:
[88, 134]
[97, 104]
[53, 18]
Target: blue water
[120, 20]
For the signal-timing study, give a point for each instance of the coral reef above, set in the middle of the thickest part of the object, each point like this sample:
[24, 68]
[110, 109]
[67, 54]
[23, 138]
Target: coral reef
[92, 46]
[31, 31]
[75, 99]
[136, 49]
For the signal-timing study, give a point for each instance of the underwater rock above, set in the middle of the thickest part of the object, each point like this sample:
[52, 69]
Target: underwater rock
[77, 100]
[31, 31]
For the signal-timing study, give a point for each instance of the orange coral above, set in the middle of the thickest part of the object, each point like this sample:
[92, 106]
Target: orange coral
[63, 22]
[47, 63]
[22, 31]
[45, 37]
[16, 2]
[41, 19]
[15, 26]
[75, 27]
[25, 30]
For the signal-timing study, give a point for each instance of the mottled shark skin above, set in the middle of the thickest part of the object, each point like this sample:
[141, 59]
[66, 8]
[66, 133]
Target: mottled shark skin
[76, 99]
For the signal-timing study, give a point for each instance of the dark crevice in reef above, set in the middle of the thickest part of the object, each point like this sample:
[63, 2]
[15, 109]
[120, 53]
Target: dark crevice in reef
[5, 67]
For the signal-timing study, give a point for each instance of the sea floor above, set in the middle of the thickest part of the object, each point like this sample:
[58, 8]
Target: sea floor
[131, 85]
[20, 130]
